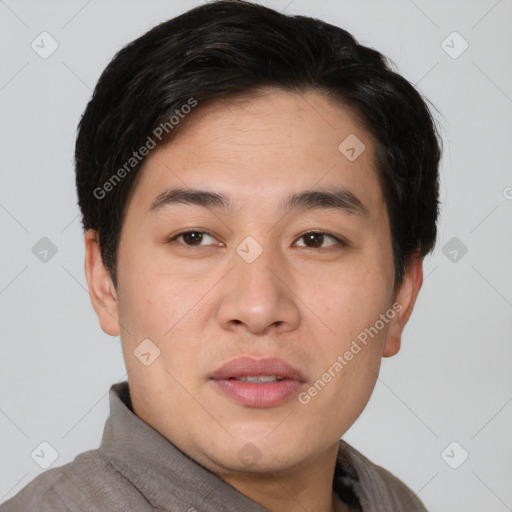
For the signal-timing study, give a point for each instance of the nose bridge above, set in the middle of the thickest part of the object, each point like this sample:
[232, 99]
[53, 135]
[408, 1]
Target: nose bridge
[257, 265]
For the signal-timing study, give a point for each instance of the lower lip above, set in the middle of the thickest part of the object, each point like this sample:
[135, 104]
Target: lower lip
[252, 394]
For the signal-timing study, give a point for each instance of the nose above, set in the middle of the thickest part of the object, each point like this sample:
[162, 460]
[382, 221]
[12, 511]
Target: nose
[259, 296]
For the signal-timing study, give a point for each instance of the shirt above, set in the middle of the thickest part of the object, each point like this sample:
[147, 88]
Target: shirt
[136, 469]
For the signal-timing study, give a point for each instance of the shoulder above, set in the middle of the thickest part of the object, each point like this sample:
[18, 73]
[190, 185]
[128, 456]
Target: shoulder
[39, 495]
[80, 485]
[376, 487]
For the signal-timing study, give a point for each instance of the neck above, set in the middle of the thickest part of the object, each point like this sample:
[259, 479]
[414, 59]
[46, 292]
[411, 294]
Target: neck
[308, 487]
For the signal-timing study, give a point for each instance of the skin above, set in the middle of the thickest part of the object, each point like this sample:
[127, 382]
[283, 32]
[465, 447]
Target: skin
[203, 305]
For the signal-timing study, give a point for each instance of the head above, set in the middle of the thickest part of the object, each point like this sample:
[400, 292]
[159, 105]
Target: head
[254, 184]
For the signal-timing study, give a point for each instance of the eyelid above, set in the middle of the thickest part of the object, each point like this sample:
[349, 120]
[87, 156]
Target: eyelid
[202, 231]
[340, 240]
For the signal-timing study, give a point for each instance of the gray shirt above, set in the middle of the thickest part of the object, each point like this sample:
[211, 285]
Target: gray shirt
[136, 469]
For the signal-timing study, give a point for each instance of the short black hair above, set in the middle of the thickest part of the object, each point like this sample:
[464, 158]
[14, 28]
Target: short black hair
[230, 48]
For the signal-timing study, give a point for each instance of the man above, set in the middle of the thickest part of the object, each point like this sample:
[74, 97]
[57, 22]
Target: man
[258, 192]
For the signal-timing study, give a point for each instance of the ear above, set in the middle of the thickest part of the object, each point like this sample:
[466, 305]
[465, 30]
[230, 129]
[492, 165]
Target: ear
[405, 299]
[101, 288]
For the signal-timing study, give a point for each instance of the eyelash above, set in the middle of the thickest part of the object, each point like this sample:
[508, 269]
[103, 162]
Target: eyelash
[340, 241]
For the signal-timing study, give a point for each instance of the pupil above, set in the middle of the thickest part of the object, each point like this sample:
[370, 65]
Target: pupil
[193, 237]
[315, 238]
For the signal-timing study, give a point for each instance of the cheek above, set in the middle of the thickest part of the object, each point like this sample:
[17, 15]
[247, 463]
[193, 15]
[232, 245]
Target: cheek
[354, 300]
[153, 298]
[357, 383]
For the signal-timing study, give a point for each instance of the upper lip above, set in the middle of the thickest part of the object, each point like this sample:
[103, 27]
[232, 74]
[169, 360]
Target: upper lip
[251, 367]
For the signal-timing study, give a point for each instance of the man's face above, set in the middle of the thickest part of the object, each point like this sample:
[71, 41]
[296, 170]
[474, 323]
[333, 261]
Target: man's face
[258, 278]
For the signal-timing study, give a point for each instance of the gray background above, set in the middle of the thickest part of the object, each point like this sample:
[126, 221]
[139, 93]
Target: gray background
[452, 380]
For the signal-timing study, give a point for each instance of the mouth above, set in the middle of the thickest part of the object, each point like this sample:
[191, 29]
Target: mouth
[259, 383]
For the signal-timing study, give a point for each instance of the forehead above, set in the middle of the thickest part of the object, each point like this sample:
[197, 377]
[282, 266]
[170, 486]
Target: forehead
[258, 148]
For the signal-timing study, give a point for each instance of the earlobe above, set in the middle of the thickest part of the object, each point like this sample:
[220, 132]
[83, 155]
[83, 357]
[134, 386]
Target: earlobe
[392, 344]
[404, 304]
[101, 289]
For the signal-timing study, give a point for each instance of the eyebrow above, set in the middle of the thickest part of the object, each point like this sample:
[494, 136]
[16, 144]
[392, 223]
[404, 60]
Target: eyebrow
[338, 198]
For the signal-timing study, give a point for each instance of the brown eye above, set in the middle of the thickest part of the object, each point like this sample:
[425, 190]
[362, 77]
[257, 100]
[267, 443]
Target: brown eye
[193, 238]
[316, 239]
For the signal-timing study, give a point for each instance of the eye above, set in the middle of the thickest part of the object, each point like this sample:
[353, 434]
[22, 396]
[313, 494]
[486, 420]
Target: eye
[192, 238]
[311, 239]
[315, 239]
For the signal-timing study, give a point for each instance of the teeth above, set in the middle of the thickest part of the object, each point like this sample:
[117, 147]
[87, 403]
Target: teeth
[260, 378]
